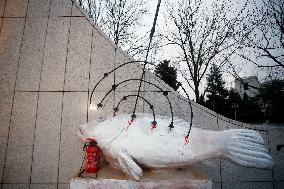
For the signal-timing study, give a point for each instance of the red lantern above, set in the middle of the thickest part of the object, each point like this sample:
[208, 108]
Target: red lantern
[92, 157]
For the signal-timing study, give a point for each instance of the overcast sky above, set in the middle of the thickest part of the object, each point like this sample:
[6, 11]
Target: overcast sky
[169, 52]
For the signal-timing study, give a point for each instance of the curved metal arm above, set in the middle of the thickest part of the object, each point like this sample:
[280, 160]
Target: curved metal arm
[107, 74]
[132, 62]
[151, 106]
[164, 93]
[191, 112]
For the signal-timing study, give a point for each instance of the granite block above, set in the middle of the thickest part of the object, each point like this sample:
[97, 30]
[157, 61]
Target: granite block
[201, 118]
[231, 185]
[78, 58]
[211, 167]
[5, 114]
[18, 164]
[43, 186]
[15, 186]
[256, 185]
[233, 172]
[2, 7]
[71, 154]
[16, 8]
[217, 185]
[60, 8]
[279, 184]
[276, 138]
[53, 68]
[38, 8]
[23, 119]
[76, 11]
[47, 136]
[10, 43]
[102, 59]
[63, 186]
[32, 54]
[2, 159]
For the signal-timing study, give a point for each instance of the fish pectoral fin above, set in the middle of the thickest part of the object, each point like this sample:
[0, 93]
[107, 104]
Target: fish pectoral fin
[128, 166]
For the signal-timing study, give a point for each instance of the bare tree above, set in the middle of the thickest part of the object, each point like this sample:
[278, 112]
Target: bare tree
[205, 34]
[267, 40]
[123, 19]
[95, 10]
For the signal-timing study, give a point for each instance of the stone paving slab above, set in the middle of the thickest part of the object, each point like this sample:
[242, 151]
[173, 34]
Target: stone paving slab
[76, 11]
[47, 136]
[276, 139]
[38, 8]
[10, 44]
[212, 168]
[71, 153]
[32, 54]
[60, 8]
[247, 185]
[18, 164]
[43, 186]
[2, 6]
[53, 68]
[16, 8]
[63, 186]
[78, 58]
[15, 186]
[102, 61]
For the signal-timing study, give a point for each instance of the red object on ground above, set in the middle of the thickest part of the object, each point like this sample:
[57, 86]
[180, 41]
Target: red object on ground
[92, 157]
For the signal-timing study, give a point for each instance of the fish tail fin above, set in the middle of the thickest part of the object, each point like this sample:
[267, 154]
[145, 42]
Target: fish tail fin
[246, 147]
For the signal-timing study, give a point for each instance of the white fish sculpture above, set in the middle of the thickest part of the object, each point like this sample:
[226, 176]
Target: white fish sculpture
[133, 146]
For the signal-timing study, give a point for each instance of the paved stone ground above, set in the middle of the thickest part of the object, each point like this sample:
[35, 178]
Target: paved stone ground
[51, 56]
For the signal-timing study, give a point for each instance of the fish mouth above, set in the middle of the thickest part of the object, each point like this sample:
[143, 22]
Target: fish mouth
[80, 135]
[81, 131]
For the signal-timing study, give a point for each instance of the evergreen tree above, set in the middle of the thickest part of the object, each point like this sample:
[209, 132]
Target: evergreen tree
[216, 92]
[271, 94]
[167, 73]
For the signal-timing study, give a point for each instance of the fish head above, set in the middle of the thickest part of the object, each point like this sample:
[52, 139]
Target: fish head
[87, 130]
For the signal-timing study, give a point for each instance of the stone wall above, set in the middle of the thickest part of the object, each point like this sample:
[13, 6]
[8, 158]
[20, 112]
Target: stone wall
[51, 57]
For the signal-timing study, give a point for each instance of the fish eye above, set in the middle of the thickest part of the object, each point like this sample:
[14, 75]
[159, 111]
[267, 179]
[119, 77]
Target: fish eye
[101, 119]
